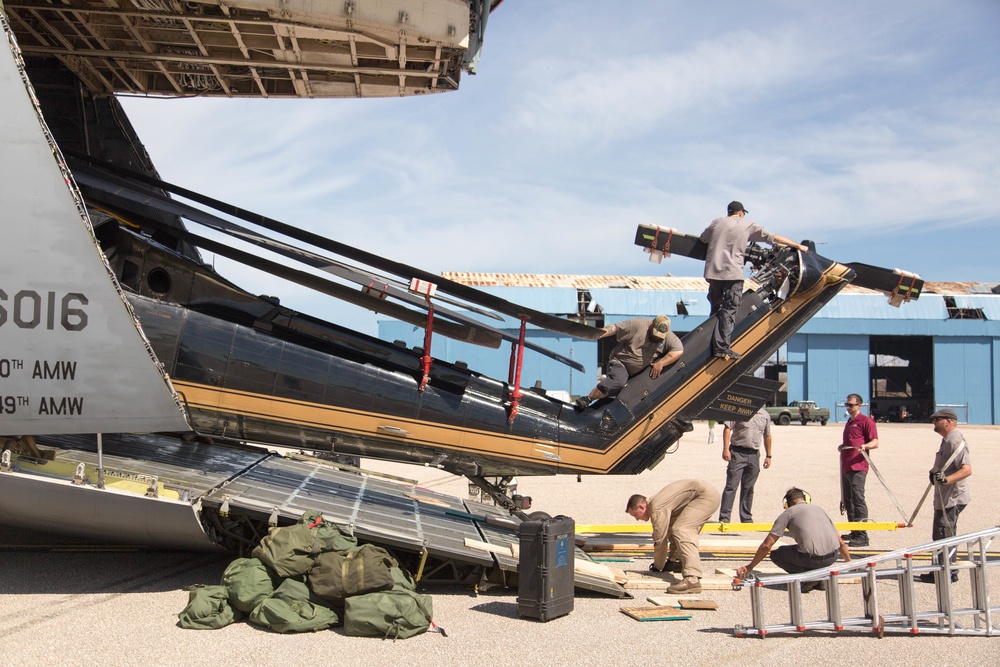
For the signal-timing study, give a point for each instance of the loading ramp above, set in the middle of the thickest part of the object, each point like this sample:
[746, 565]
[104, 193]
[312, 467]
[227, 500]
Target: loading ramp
[165, 492]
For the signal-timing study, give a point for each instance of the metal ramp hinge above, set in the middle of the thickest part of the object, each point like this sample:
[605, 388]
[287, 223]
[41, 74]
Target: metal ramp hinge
[5, 461]
[153, 491]
[79, 477]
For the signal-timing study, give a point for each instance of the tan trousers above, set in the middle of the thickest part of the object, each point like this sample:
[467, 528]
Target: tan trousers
[685, 528]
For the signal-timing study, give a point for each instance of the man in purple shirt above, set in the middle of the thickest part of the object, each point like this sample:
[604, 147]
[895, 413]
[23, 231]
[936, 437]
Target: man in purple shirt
[859, 434]
[727, 240]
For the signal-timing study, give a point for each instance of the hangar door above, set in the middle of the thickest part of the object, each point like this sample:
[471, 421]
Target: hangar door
[901, 371]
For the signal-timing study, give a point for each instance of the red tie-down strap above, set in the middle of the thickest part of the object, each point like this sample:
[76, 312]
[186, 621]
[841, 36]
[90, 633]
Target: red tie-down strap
[895, 297]
[374, 289]
[425, 361]
[666, 244]
[909, 288]
[514, 377]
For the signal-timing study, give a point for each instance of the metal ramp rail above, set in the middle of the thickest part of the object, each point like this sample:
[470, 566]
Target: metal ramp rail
[899, 567]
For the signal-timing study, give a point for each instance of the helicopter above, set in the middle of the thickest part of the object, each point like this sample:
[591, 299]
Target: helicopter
[121, 326]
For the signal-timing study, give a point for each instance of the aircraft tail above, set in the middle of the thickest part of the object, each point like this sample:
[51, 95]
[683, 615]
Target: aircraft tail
[74, 358]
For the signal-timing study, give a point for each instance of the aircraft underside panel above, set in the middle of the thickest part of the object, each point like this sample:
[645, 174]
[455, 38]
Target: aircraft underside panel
[258, 48]
[166, 492]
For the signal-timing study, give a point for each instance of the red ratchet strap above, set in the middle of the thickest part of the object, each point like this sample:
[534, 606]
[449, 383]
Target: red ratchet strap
[514, 377]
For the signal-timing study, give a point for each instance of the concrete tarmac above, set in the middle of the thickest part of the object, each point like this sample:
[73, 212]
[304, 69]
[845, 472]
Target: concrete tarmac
[80, 607]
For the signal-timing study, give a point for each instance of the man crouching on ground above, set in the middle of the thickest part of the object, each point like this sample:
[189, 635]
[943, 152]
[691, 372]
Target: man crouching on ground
[816, 540]
[677, 512]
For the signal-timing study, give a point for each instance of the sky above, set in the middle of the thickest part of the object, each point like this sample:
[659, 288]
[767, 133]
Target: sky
[872, 129]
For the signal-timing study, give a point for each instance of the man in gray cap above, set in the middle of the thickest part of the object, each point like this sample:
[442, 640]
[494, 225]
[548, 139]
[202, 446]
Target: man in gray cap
[727, 240]
[641, 342]
[950, 476]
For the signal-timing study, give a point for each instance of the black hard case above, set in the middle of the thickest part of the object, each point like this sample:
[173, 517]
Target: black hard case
[545, 568]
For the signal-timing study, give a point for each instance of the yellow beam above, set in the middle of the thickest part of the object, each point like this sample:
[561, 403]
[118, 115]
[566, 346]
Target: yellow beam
[716, 527]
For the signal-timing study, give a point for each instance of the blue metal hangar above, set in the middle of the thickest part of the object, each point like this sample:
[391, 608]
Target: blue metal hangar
[940, 351]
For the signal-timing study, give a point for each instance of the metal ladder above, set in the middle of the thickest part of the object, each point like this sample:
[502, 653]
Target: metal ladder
[896, 567]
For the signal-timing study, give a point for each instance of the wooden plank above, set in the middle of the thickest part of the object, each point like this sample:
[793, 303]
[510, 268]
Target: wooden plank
[717, 527]
[427, 500]
[486, 546]
[662, 601]
[656, 614]
[716, 545]
[661, 580]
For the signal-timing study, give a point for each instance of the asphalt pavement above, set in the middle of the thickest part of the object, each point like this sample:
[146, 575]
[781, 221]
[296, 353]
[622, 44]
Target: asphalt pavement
[110, 608]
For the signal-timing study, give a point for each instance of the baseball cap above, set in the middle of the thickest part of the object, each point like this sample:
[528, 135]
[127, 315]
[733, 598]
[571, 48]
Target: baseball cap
[947, 413]
[736, 207]
[661, 325]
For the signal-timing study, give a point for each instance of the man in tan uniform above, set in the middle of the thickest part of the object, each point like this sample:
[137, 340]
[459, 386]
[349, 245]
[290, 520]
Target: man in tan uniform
[678, 512]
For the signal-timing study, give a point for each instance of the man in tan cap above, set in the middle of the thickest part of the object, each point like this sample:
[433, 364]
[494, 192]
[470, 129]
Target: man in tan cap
[678, 512]
[641, 342]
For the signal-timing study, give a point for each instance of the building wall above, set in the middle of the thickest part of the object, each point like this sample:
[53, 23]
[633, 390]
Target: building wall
[965, 375]
[828, 367]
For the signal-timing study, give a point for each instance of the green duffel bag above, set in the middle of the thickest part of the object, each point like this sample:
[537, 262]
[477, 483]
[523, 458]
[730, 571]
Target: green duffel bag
[288, 550]
[208, 608]
[248, 581]
[402, 580]
[395, 613]
[330, 536]
[337, 575]
[292, 609]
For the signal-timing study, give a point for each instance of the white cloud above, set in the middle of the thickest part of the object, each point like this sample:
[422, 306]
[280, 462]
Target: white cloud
[587, 118]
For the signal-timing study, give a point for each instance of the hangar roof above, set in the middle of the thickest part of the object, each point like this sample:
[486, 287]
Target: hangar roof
[663, 283]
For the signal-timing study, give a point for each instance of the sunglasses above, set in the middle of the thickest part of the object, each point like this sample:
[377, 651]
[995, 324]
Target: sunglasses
[851, 405]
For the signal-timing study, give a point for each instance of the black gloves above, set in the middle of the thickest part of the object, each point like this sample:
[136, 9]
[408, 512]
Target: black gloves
[940, 477]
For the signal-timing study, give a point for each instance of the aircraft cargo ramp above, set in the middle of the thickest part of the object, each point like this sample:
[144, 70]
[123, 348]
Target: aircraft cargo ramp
[164, 492]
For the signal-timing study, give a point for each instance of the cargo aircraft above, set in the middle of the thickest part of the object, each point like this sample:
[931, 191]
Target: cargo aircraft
[113, 323]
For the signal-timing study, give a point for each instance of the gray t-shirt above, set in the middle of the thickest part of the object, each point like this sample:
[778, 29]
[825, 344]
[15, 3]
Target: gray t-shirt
[957, 493]
[635, 351]
[727, 240]
[811, 528]
[751, 433]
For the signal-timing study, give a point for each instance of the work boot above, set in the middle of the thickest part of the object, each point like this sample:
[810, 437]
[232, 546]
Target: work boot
[673, 566]
[847, 537]
[581, 403]
[686, 585]
[860, 539]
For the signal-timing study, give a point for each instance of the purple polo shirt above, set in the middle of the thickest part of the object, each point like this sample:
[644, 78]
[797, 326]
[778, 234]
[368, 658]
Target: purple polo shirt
[857, 432]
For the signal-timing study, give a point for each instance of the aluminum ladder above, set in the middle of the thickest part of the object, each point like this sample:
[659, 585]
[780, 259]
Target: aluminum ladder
[879, 573]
